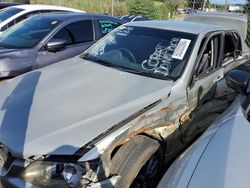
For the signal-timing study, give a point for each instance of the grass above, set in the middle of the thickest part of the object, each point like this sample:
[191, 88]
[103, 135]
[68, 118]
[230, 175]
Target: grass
[104, 6]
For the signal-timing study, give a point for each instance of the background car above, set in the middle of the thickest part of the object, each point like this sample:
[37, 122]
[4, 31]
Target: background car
[220, 157]
[29, 45]
[14, 14]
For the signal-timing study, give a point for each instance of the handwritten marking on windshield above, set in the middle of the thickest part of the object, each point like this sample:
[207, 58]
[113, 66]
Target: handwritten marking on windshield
[160, 60]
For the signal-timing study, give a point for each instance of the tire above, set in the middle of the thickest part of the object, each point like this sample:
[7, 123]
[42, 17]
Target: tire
[131, 158]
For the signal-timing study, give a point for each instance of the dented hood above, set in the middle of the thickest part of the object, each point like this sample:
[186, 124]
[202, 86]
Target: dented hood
[60, 108]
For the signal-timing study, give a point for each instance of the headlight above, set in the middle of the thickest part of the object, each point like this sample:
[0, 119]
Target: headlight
[54, 174]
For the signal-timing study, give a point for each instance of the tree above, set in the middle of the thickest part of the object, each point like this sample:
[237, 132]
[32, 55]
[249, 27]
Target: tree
[143, 8]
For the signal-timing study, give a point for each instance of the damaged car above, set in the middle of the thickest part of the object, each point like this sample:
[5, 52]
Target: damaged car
[115, 114]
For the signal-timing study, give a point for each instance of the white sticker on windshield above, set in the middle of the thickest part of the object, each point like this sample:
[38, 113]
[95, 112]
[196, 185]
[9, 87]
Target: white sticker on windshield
[181, 49]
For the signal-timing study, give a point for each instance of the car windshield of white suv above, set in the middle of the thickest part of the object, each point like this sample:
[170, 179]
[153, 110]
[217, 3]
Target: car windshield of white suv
[150, 52]
[8, 12]
[28, 33]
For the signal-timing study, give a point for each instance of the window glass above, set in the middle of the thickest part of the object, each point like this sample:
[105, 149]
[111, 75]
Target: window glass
[27, 33]
[8, 12]
[81, 31]
[63, 34]
[21, 18]
[106, 26]
[150, 52]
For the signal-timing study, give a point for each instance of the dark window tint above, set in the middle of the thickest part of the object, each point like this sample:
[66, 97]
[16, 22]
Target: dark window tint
[63, 34]
[77, 32]
[81, 31]
[106, 26]
[8, 12]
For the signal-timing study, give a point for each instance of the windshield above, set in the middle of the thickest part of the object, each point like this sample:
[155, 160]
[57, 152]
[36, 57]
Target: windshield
[150, 52]
[8, 12]
[27, 33]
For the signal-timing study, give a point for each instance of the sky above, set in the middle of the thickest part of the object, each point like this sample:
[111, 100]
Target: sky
[229, 1]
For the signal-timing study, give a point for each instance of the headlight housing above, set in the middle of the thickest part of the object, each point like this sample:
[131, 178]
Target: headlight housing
[55, 174]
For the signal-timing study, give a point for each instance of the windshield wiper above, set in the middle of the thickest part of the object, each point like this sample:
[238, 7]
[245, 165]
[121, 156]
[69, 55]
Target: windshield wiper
[96, 60]
[121, 68]
[143, 73]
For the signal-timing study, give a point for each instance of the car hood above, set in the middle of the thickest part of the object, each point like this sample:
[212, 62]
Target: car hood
[57, 109]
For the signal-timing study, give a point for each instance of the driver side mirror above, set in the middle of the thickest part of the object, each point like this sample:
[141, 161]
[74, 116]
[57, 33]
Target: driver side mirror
[239, 80]
[55, 45]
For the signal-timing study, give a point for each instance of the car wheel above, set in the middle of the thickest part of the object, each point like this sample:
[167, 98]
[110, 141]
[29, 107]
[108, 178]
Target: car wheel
[137, 163]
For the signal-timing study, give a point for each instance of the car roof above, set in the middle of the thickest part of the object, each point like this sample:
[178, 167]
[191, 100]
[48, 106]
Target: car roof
[188, 27]
[45, 7]
[230, 15]
[70, 15]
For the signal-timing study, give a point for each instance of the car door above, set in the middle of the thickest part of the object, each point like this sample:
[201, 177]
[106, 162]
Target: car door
[79, 36]
[208, 70]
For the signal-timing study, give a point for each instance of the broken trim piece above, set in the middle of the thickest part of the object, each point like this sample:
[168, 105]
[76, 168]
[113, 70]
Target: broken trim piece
[84, 149]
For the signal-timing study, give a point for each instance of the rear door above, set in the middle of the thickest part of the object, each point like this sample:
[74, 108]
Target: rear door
[79, 36]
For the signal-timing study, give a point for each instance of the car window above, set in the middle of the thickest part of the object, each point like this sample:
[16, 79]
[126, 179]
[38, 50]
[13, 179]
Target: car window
[8, 12]
[106, 26]
[27, 33]
[151, 52]
[210, 55]
[22, 17]
[232, 44]
[78, 32]
[63, 34]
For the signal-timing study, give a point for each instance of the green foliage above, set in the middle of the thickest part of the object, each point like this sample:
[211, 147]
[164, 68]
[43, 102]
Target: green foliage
[143, 7]
[90, 6]
[153, 9]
